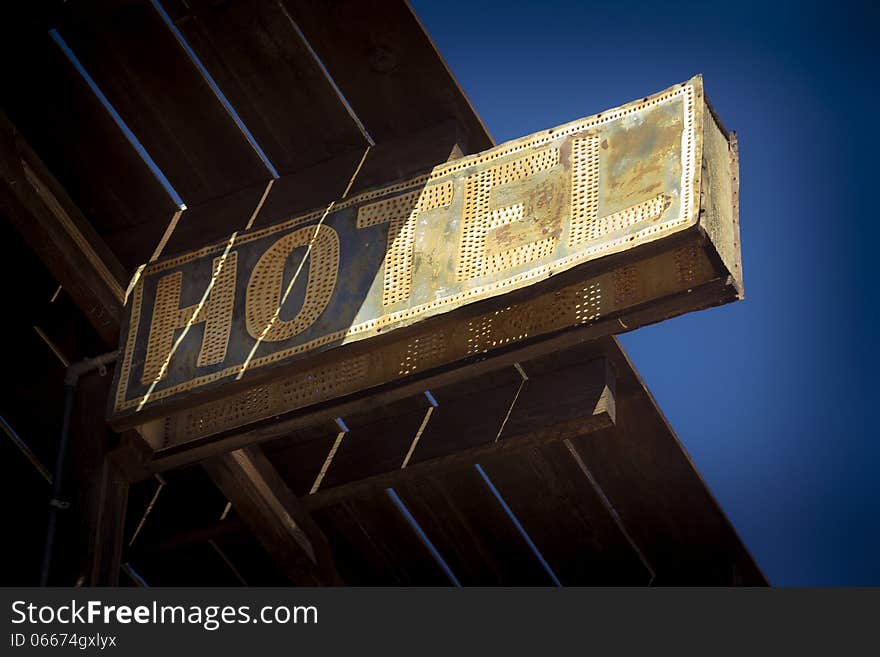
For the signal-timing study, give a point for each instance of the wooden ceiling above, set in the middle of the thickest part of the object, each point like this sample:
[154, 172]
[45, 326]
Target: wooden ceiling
[376, 53]
[315, 82]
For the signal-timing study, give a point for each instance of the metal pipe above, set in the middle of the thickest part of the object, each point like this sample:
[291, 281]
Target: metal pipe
[71, 379]
[89, 365]
[55, 502]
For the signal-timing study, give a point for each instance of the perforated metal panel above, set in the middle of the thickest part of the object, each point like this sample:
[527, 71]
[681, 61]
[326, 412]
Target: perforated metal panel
[472, 229]
[216, 312]
[267, 295]
[575, 305]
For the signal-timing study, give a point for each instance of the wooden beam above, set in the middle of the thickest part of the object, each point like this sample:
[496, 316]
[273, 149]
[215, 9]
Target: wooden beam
[312, 187]
[187, 132]
[50, 103]
[152, 455]
[457, 460]
[107, 542]
[36, 204]
[276, 517]
[385, 64]
[659, 495]
[98, 491]
[270, 78]
[566, 516]
[584, 404]
[566, 396]
[410, 154]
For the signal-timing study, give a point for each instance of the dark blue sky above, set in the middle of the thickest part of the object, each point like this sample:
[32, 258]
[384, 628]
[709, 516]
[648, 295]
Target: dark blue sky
[772, 396]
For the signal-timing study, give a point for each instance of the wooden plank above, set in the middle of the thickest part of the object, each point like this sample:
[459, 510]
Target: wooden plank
[414, 153]
[385, 64]
[659, 494]
[471, 530]
[269, 76]
[375, 546]
[213, 220]
[36, 204]
[470, 412]
[300, 461]
[149, 79]
[376, 443]
[79, 143]
[645, 473]
[310, 188]
[649, 479]
[557, 406]
[650, 482]
[629, 261]
[565, 517]
[145, 460]
[267, 506]
[313, 186]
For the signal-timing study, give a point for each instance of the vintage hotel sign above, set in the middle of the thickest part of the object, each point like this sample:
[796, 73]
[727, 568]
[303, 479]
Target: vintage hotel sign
[272, 302]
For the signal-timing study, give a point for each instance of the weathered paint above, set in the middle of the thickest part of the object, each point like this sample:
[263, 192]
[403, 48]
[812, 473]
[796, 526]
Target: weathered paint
[472, 229]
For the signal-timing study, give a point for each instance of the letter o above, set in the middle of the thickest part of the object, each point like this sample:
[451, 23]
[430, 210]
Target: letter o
[264, 296]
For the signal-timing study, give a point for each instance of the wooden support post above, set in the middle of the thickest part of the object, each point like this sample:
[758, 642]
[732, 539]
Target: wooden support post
[107, 541]
[90, 542]
[276, 517]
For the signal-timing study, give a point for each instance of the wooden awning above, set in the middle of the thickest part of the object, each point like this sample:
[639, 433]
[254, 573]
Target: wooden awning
[255, 111]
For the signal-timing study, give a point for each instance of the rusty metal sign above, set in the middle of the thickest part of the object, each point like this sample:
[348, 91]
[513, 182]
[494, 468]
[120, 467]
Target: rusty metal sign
[470, 230]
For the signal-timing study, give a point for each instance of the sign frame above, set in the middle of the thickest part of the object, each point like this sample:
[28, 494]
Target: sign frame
[689, 223]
